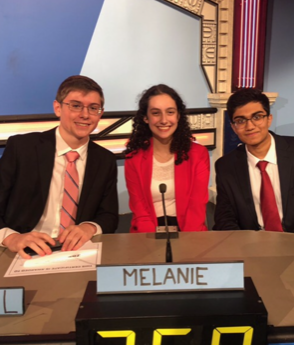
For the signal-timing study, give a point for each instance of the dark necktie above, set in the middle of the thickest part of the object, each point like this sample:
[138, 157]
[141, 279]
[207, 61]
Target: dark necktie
[70, 193]
[269, 209]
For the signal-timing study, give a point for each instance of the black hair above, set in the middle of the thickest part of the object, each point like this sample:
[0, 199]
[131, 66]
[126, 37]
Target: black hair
[244, 96]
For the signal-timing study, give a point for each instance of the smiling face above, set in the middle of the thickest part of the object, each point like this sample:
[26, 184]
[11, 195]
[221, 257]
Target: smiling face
[75, 127]
[162, 117]
[256, 137]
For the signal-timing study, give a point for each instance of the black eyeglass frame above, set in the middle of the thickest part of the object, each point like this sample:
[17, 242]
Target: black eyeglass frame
[244, 123]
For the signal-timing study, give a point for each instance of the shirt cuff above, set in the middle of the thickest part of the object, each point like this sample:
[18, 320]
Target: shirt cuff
[98, 227]
[5, 232]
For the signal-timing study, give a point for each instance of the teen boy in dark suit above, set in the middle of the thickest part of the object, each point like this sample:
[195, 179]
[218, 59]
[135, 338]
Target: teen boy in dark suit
[32, 171]
[238, 177]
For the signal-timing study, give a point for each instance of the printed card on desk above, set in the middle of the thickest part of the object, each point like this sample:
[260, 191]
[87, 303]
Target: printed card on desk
[84, 259]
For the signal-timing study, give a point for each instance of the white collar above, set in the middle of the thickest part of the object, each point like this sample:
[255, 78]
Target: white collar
[62, 147]
[270, 157]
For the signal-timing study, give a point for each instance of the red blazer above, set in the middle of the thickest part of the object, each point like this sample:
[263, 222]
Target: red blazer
[191, 190]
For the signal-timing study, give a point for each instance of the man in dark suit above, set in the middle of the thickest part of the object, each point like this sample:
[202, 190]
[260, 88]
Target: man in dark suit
[32, 171]
[238, 177]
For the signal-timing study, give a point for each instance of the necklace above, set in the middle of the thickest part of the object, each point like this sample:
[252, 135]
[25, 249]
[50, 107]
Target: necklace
[163, 157]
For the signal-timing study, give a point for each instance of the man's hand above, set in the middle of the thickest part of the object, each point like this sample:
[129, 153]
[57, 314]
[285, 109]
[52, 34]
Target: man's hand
[35, 240]
[75, 236]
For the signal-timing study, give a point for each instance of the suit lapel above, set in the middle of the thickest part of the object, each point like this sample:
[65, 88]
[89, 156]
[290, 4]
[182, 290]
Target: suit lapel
[146, 172]
[285, 168]
[182, 181]
[91, 172]
[45, 156]
[243, 180]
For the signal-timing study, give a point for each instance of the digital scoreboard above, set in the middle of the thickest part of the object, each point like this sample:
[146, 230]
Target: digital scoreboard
[188, 318]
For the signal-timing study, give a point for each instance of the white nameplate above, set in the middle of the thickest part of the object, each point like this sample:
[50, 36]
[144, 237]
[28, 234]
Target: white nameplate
[12, 301]
[170, 277]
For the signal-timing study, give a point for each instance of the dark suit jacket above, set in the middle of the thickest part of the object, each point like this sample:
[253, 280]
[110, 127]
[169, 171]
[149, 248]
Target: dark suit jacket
[235, 207]
[25, 175]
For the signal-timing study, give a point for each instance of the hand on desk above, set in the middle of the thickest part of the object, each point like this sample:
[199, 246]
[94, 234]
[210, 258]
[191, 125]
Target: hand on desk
[72, 238]
[75, 236]
[35, 240]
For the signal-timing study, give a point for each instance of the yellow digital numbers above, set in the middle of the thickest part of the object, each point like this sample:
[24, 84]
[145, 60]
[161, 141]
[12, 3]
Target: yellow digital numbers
[247, 330]
[159, 333]
[129, 335]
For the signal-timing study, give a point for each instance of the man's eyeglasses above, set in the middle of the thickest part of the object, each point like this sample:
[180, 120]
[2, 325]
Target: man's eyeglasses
[241, 122]
[93, 109]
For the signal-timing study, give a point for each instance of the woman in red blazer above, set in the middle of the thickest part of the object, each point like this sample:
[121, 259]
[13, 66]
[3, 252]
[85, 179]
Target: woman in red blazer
[161, 150]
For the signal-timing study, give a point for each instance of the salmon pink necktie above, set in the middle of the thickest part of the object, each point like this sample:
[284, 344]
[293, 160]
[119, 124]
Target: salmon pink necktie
[70, 193]
[269, 209]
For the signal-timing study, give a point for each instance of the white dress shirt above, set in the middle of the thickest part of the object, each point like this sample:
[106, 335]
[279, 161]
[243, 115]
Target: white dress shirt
[255, 179]
[50, 221]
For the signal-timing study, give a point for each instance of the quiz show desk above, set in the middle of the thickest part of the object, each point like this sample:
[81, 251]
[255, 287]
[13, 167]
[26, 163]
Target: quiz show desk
[53, 300]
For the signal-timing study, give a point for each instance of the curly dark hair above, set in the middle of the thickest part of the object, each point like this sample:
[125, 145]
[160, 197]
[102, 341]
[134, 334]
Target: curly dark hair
[140, 137]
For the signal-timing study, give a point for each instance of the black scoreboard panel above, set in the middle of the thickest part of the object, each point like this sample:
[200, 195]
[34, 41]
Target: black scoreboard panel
[192, 318]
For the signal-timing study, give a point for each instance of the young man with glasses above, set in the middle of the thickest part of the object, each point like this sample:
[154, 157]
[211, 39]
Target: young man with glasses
[45, 194]
[250, 197]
